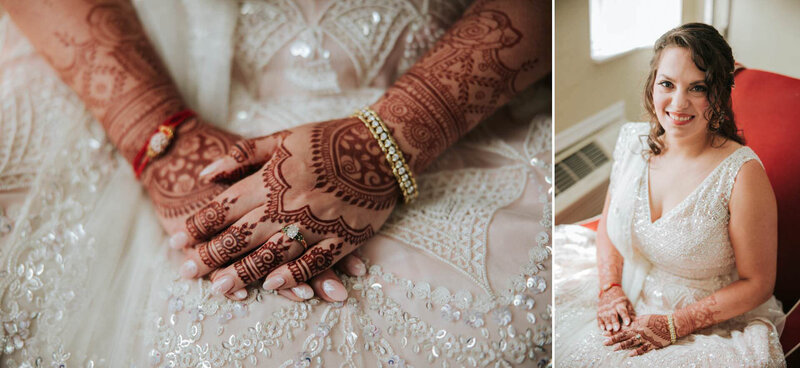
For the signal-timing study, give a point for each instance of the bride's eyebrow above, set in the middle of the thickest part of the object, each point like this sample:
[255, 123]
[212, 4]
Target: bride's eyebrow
[664, 76]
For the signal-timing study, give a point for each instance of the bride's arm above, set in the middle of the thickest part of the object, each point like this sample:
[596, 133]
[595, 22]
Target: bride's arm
[100, 50]
[495, 50]
[613, 304]
[753, 231]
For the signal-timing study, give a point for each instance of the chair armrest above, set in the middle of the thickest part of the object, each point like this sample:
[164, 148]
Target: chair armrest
[590, 223]
[790, 338]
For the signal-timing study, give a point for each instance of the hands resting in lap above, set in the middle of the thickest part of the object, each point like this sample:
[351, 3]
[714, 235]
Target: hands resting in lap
[624, 329]
[330, 181]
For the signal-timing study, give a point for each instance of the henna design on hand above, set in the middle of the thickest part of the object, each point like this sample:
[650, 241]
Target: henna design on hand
[208, 220]
[458, 83]
[243, 151]
[318, 259]
[653, 329]
[172, 180]
[609, 303]
[276, 211]
[227, 245]
[262, 261]
[696, 316]
[351, 165]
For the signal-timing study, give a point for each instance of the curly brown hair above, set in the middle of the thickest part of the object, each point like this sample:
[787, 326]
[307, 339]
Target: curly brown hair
[712, 55]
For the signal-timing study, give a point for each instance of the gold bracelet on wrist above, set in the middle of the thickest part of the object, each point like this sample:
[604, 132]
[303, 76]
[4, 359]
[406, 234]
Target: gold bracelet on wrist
[392, 151]
[672, 335]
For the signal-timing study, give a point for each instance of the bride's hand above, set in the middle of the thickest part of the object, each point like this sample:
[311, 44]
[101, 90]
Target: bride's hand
[613, 307]
[331, 180]
[172, 182]
[646, 333]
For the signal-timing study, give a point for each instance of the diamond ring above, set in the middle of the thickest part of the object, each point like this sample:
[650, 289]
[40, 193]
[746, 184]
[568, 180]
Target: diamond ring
[293, 232]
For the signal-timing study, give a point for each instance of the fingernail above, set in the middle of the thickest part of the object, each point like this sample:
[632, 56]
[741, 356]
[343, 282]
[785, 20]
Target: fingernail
[178, 240]
[273, 283]
[335, 293]
[212, 167]
[616, 327]
[360, 269]
[627, 322]
[302, 292]
[189, 269]
[241, 293]
[222, 285]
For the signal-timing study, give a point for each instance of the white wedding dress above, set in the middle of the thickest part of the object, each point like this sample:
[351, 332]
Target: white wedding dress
[459, 278]
[680, 258]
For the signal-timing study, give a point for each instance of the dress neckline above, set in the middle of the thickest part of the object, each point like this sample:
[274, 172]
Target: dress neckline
[685, 199]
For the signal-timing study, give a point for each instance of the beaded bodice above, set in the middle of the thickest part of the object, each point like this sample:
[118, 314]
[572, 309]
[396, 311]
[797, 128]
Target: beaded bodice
[691, 240]
[293, 47]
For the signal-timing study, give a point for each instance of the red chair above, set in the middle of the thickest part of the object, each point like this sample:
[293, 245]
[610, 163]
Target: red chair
[767, 110]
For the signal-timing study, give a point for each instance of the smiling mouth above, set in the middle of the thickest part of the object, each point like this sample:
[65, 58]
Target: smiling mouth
[680, 117]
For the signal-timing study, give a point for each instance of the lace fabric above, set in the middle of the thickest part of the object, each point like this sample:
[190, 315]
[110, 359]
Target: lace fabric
[692, 257]
[88, 281]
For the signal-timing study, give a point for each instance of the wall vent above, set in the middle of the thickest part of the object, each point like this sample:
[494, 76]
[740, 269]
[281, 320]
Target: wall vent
[579, 165]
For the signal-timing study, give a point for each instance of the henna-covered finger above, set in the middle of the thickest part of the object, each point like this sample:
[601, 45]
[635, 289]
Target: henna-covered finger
[622, 312]
[608, 319]
[319, 257]
[620, 337]
[645, 347]
[223, 210]
[245, 235]
[629, 343]
[278, 249]
[328, 286]
[243, 158]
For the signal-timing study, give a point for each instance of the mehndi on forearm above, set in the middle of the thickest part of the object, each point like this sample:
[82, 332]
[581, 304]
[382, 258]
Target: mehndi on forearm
[724, 304]
[100, 50]
[495, 50]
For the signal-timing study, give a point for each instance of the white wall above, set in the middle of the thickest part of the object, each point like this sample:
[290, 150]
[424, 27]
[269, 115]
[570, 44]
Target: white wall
[766, 35]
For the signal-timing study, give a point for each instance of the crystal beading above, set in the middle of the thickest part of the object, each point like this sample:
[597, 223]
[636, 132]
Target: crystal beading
[393, 154]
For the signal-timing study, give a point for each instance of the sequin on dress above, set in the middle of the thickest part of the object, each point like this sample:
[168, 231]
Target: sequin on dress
[691, 257]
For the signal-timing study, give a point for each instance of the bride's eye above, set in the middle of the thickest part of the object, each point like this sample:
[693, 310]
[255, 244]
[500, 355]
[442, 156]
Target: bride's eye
[699, 88]
[666, 84]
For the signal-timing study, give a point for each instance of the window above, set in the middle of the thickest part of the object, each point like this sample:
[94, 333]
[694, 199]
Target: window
[619, 26]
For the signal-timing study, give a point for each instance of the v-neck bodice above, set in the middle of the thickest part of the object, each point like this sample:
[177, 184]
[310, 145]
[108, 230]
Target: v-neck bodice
[708, 177]
[691, 239]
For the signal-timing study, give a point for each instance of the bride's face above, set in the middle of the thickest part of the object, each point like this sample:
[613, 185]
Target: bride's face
[679, 94]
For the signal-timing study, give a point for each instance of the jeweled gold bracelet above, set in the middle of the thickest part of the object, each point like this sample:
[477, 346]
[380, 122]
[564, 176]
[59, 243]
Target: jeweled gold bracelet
[672, 335]
[392, 151]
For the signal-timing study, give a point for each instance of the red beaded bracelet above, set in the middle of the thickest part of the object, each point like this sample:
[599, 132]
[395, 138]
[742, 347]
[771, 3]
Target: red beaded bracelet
[159, 140]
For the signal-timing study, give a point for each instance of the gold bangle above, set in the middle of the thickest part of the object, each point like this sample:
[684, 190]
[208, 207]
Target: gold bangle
[672, 335]
[392, 151]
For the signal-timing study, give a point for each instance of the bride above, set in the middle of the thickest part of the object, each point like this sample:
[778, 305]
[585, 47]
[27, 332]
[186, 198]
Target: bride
[686, 244]
[273, 177]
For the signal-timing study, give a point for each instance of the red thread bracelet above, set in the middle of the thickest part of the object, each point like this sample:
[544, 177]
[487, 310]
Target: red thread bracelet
[159, 140]
[607, 288]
